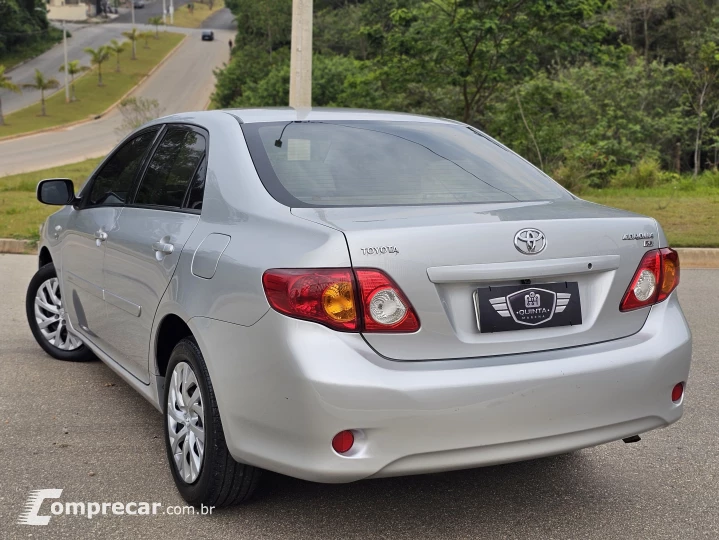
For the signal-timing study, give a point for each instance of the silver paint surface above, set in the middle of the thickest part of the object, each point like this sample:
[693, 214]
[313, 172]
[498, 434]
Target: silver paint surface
[444, 397]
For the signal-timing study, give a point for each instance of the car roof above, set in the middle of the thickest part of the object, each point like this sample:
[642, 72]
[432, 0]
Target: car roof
[289, 114]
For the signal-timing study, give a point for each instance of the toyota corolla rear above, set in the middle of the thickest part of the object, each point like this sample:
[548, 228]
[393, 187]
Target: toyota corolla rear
[486, 314]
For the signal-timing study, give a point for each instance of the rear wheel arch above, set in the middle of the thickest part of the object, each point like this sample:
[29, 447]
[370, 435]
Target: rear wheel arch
[44, 257]
[170, 331]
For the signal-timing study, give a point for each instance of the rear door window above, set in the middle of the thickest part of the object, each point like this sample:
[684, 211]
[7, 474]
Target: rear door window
[112, 184]
[172, 168]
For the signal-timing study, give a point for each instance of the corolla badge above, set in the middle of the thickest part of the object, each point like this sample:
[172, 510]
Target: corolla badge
[530, 241]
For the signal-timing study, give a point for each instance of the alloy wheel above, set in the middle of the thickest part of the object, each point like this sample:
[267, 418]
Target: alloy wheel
[51, 318]
[186, 422]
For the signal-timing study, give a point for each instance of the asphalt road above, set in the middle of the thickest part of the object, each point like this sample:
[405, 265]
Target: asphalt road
[48, 63]
[183, 83]
[154, 9]
[79, 428]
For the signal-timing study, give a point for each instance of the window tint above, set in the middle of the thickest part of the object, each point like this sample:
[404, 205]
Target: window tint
[171, 168]
[115, 179]
[375, 163]
[197, 191]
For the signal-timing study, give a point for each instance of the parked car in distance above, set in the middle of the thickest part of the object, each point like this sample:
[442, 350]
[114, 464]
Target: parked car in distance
[337, 295]
[208, 35]
[138, 4]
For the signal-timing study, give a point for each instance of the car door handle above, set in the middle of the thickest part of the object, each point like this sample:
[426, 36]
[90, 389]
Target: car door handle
[163, 247]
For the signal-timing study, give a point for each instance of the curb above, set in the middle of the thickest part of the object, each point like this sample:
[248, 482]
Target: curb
[698, 257]
[690, 257]
[94, 117]
[10, 245]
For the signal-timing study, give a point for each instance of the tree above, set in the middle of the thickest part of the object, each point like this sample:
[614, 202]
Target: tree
[117, 48]
[6, 84]
[445, 53]
[136, 112]
[700, 79]
[133, 35]
[97, 58]
[628, 12]
[146, 36]
[156, 22]
[73, 68]
[41, 83]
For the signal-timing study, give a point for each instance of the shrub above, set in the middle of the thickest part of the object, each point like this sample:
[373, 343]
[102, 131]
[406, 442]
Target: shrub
[573, 175]
[687, 184]
[647, 173]
[709, 178]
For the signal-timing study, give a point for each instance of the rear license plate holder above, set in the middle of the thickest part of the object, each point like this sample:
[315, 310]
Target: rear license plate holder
[522, 307]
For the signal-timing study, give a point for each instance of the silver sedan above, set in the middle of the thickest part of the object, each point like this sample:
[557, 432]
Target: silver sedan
[339, 295]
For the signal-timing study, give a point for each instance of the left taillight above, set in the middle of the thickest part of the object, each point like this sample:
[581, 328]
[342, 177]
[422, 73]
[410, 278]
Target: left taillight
[365, 300]
[323, 295]
[656, 277]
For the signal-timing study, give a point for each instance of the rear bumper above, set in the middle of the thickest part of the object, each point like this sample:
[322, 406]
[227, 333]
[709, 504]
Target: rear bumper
[286, 387]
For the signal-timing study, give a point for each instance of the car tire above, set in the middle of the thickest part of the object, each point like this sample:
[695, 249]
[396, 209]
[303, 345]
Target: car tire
[219, 480]
[43, 306]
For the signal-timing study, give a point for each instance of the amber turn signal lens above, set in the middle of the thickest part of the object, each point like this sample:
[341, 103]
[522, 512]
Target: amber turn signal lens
[338, 301]
[670, 275]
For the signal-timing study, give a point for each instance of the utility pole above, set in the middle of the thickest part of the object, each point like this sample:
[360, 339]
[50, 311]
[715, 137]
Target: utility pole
[301, 55]
[64, 52]
[172, 12]
[132, 9]
[164, 13]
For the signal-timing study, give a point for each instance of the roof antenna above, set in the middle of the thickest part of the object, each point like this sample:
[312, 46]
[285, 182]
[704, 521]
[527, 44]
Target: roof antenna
[278, 142]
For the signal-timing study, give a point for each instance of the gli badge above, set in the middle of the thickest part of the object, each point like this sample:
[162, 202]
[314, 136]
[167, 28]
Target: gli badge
[530, 241]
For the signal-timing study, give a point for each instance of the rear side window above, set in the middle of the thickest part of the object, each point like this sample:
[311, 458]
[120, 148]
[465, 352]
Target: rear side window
[116, 177]
[171, 168]
[374, 163]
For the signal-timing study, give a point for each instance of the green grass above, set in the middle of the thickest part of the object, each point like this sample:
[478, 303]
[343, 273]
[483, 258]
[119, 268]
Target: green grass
[20, 212]
[689, 216]
[182, 16]
[93, 99]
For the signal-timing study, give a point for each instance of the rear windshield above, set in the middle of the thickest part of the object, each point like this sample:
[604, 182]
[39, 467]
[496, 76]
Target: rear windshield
[372, 163]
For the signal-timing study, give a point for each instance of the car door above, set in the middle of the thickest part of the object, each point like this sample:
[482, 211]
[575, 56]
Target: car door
[144, 249]
[88, 226]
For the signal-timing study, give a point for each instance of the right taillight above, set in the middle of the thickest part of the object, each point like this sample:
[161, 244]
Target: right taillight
[384, 306]
[654, 280]
[364, 300]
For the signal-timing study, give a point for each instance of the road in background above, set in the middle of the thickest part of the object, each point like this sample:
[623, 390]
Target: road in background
[78, 427]
[183, 83]
[151, 9]
[50, 61]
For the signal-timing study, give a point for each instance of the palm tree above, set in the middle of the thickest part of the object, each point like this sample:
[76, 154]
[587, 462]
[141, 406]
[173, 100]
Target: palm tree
[42, 84]
[145, 36]
[118, 48]
[133, 36]
[73, 68]
[6, 84]
[156, 22]
[97, 57]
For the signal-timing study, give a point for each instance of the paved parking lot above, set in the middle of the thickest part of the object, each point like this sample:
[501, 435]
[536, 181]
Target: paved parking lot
[79, 428]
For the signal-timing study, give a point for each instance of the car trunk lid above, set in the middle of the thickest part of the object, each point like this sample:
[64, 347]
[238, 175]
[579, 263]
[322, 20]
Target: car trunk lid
[441, 256]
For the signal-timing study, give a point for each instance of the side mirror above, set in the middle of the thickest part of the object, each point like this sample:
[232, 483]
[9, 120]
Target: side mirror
[56, 191]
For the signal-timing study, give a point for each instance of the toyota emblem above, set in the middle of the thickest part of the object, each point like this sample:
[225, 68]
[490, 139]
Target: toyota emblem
[530, 241]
